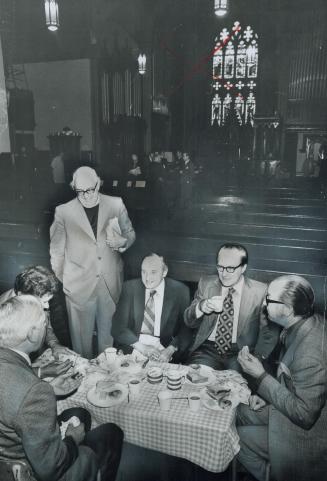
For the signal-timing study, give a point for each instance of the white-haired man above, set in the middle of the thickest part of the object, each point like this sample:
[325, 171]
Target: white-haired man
[87, 236]
[28, 415]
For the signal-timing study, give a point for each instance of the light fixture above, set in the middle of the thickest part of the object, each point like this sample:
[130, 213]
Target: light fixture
[221, 7]
[51, 14]
[142, 63]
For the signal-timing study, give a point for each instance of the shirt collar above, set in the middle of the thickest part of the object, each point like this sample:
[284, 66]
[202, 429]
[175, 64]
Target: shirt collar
[22, 354]
[159, 289]
[238, 287]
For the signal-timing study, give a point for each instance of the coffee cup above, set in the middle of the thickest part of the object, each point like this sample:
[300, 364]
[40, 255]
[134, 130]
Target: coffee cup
[101, 389]
[134, 386]
[110, 353]
[174, 380]
[164, 398]
[155, 375]
[194, 401]
[217, 301]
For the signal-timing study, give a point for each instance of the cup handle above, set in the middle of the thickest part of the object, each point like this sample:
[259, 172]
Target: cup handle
[183, 379]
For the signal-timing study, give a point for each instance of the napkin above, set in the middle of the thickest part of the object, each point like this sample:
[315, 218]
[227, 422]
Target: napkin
[113, 232]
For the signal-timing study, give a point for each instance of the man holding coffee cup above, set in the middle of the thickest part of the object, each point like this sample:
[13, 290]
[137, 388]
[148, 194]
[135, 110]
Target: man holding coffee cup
[149, 315]
[227, 313]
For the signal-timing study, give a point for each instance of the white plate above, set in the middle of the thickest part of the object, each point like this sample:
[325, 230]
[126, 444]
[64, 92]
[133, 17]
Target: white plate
[210, 403]
[203, 371]
[93, 397]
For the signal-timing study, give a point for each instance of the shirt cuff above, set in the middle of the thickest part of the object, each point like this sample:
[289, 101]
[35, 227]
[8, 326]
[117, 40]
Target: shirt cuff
[198, 312]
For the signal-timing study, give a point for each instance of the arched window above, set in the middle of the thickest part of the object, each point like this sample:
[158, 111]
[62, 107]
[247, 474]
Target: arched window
[235, 66]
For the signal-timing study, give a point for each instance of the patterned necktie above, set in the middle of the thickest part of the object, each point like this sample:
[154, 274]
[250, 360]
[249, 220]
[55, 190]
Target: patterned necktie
[224, 331]
[149, 315]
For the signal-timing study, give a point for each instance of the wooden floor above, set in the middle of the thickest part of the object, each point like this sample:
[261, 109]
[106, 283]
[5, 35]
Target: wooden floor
[284, 228]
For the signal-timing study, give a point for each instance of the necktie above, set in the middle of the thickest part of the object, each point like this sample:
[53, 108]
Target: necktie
[149, 315]
[224, 331]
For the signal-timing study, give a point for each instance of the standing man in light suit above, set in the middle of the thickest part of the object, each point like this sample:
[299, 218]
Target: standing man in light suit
[87, 236]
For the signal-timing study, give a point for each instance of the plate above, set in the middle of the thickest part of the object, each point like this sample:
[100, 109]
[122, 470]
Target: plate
[210, 403]
[65, 385]
[203, 371]
[107, 401]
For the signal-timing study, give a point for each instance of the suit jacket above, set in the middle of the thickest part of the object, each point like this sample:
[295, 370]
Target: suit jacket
[78, 258]
[28, 422]
[128, 318]
[298, 412]
[250, 316]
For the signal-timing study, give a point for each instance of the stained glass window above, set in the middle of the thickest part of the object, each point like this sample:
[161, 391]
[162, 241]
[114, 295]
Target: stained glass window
[235, 66]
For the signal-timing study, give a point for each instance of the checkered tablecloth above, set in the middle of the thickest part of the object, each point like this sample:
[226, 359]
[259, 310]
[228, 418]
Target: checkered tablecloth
[207, 438]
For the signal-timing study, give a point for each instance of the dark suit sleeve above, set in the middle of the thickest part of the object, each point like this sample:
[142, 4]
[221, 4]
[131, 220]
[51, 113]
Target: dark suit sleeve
[36, 424]
[123, 320]
[183, 335]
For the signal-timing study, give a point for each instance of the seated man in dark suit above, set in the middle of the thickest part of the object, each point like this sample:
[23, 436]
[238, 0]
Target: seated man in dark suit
[149, 315]
[226, 311]
[286, 423]
[28, 417]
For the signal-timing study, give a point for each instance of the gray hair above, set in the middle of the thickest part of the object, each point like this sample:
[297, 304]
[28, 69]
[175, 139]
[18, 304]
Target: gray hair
[156, 256]
[87, 170]
[17, 316]
[297, 292]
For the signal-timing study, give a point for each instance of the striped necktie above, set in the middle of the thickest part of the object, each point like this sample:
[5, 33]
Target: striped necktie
[224, 331]
[149, 315]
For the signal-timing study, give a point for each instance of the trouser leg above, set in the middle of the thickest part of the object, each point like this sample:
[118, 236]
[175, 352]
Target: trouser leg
[81, 320]
[104, 313]
[253, 432]
[106, 441]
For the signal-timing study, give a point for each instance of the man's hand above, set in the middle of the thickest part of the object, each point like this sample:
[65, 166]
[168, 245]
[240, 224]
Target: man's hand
[256, 402]
[55, 368]
[250, 364]
[207, 306]
[148, 351]
[58, 349]
[116, 242]
[77, 433]
[167, 354]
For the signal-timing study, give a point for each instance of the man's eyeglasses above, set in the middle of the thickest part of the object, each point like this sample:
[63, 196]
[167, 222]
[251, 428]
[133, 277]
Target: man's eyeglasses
[87, 191]
[271, 301]
[228, 269]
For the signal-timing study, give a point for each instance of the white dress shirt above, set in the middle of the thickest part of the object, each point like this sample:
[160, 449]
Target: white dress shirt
[158, 303]
[237, 294]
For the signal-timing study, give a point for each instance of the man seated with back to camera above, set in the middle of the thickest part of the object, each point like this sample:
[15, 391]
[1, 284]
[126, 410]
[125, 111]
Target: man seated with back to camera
[149, 315]
[227, 314]
[41, 283]
[29, 431]
[286, 420]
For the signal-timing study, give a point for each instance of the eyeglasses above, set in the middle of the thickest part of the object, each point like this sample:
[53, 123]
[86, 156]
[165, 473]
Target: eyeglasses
[228, 269]
[271, 301]
[87, 191]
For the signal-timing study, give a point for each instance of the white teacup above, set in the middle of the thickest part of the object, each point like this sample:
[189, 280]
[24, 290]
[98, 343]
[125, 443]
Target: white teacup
[134, 386]
[111, 354]
[164, 398]
[174, 379]
[217, 301]
[194, 401]
[155, 375]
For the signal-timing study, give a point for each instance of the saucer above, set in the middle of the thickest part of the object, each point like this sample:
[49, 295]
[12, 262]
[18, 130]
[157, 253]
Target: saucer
[108, 400]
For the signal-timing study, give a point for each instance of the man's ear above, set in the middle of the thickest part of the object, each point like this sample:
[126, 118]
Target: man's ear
[32, 334]
[244, 268]
[165, 272]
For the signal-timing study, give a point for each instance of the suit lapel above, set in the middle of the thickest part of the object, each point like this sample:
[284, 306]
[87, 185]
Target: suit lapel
[168, 302]
[245, 306]
[103, 215]
[139, 303]
[81, 218]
